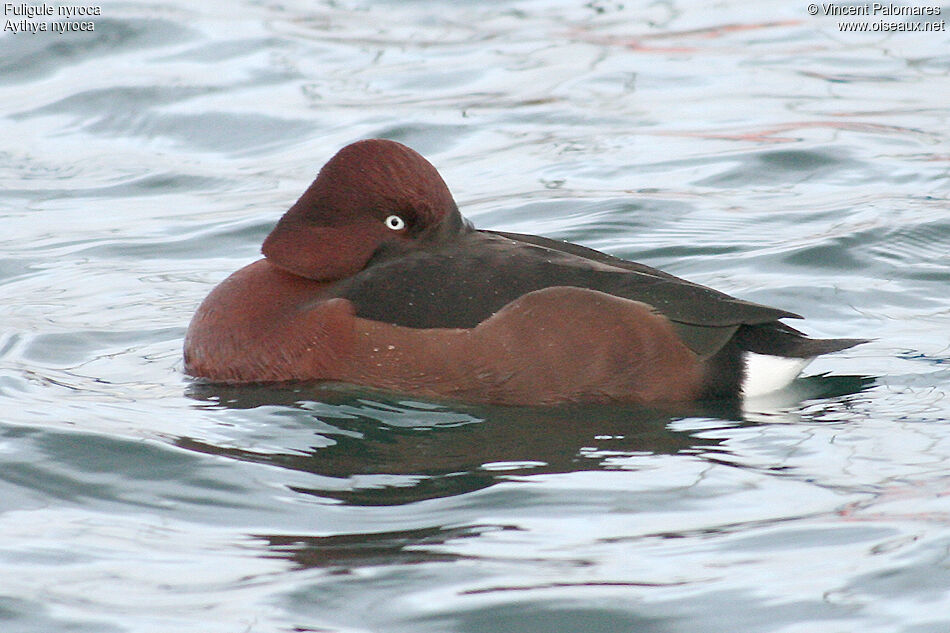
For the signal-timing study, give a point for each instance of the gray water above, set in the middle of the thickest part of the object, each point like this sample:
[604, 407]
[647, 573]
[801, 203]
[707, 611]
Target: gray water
[748, 146]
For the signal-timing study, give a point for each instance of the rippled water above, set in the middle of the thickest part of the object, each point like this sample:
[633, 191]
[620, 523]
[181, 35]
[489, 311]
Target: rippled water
[748, 146]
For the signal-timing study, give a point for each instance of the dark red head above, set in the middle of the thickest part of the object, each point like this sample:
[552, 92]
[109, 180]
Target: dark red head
[372, 194]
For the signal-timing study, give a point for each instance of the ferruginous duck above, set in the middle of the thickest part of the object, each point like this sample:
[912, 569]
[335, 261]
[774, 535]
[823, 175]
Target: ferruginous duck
[374, 278]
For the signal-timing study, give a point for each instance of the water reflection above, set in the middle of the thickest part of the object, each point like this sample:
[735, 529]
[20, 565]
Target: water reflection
[396, 452]
[360, 550]
[383, 450]
[379, 449]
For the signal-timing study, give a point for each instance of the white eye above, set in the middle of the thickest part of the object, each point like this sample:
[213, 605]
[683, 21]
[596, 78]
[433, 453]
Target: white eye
[395, 223]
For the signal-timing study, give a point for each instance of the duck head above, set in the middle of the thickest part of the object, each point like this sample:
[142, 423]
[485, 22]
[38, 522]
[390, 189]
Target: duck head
[374, 196]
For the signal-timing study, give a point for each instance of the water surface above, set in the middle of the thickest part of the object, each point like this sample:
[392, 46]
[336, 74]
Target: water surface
[751, 147]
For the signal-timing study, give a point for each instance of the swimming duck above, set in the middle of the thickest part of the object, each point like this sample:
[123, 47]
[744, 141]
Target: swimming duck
[374, 278]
